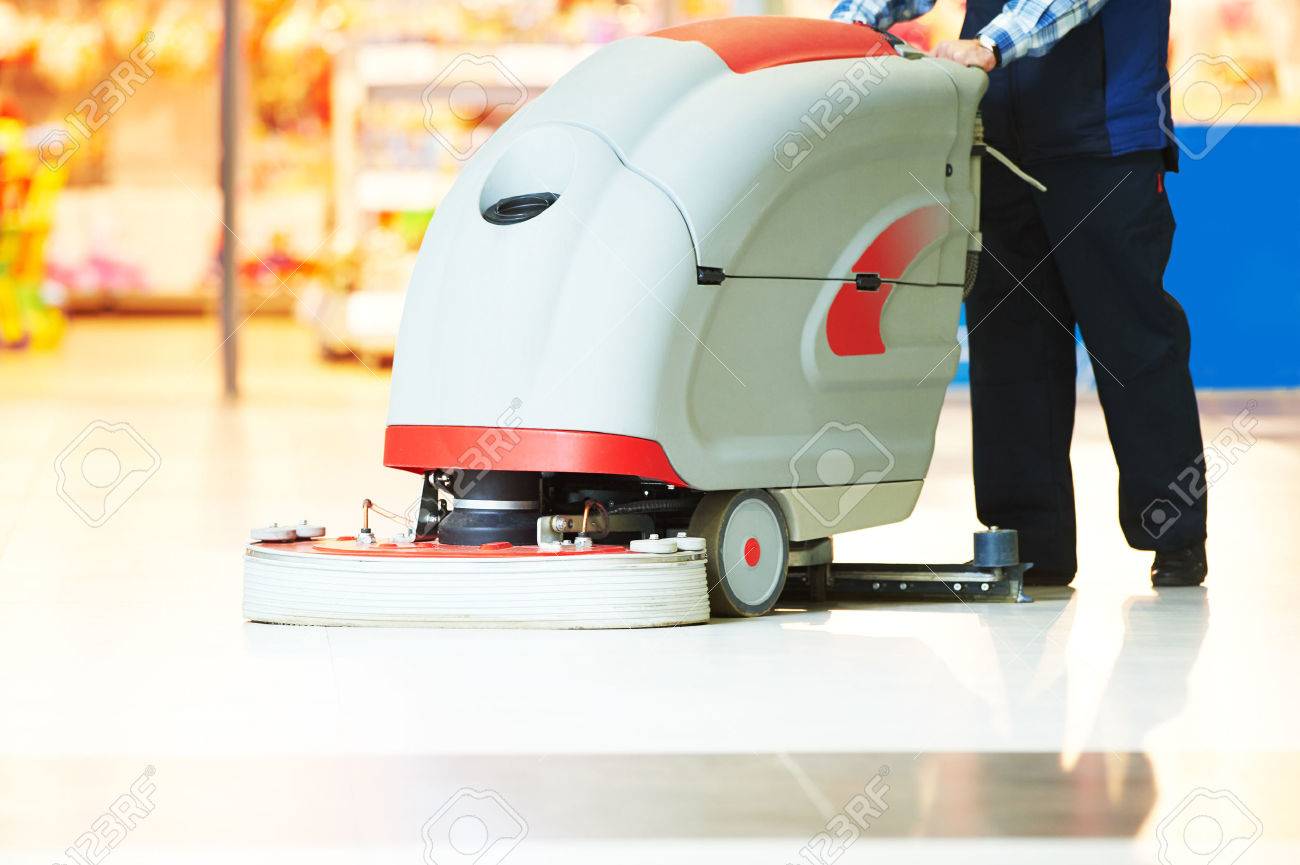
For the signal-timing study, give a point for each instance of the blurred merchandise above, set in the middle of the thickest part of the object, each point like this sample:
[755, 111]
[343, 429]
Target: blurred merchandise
[416, 89]
[29, 304]
[357, 313]
[92, 282]
[552, 21]
[355, 118]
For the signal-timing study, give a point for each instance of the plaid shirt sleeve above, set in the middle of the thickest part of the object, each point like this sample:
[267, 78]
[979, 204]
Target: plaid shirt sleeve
[1029, 28]
[881, 14]
[1024, 28]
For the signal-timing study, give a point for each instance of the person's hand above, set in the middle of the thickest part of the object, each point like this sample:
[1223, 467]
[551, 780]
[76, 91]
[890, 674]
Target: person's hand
[967, 52]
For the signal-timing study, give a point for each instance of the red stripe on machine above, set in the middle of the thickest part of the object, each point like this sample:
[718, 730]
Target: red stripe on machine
[480, 448]
[753, 42]
[853, 320]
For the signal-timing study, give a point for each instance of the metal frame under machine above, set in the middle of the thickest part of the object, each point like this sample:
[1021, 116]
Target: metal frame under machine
[587, 509]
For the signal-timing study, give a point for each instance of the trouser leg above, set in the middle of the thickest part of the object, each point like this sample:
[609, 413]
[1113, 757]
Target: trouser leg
[1112, 228]
[1022, 357]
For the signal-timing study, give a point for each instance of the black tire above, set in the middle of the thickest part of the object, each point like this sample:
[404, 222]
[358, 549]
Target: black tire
[740, 529]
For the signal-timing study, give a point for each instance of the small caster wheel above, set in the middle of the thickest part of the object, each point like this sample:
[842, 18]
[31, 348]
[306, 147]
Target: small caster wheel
[748, 550]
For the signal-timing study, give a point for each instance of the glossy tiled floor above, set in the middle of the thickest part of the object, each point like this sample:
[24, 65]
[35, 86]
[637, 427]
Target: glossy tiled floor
[1092, 725]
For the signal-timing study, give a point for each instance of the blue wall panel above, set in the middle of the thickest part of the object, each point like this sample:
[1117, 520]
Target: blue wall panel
[1236, 260]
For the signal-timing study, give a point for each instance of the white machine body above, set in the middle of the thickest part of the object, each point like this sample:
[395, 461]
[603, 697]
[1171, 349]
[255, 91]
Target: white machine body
[583, 339]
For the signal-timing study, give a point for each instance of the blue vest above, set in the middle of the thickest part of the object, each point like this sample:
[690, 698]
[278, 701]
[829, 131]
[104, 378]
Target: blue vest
[1097, 92]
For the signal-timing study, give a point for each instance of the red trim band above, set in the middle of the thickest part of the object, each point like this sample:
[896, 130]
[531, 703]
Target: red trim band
[481, 448]
[853, 320]
[749, 43]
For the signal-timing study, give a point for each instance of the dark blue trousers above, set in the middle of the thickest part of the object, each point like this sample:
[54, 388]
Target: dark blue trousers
[1092, 252]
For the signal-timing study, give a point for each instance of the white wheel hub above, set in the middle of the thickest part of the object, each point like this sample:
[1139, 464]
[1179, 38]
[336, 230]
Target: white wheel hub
[753, 554]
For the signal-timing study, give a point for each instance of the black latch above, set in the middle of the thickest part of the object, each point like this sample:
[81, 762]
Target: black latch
[709, 275]
[867, 281]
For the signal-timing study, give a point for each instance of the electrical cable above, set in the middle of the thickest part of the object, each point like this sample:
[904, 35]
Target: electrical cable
[1013, 168]
[367, 505]
[883, 280]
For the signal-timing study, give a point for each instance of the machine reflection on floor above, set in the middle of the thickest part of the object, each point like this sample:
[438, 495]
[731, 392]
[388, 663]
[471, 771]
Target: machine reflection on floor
[1080, 728]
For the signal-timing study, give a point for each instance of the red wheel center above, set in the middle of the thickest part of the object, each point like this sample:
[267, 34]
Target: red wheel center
[753, 552]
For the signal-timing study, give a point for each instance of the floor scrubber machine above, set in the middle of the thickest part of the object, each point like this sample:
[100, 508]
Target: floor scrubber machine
[685, 316]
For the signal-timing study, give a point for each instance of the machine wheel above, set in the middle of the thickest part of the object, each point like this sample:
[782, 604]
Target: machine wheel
[748, 547]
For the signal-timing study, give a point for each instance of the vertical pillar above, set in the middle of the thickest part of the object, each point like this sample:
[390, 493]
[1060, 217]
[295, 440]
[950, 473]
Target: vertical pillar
[229, 301]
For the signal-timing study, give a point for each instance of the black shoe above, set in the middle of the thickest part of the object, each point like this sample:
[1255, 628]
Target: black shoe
[1185, 567]
[1037, 576]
